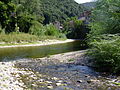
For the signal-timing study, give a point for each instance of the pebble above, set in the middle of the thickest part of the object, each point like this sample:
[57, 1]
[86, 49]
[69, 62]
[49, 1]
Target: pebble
[58, 84]
[89, 81]
[41, 80]
[48, 82]
[8, 77]
[50, 86]
[54, 78]
[79, 81]
[87, 76]
[92, 80]
[60, 81]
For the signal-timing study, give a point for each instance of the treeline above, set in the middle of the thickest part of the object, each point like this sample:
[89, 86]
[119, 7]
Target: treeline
[104, 37]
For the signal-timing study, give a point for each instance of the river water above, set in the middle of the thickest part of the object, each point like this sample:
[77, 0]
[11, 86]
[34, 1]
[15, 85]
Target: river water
[7, 54]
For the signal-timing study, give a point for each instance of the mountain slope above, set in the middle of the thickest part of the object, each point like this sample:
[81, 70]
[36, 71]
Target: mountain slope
[60, 10]
[51, 10]
[89, 5]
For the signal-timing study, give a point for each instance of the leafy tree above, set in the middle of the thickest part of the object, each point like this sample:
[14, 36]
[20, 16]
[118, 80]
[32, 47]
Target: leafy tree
[7, 15]
[24, 23]
[75, 28]
[106, 17]
[29, 7]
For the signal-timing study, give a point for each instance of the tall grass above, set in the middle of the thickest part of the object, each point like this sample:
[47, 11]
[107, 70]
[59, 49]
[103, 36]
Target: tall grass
[17, 38]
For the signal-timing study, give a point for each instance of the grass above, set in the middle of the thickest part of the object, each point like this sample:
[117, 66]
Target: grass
[23, 39]
[17, 38]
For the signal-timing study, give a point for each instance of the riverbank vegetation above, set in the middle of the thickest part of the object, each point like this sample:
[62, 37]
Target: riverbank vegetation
[104, 39]
[32, 20]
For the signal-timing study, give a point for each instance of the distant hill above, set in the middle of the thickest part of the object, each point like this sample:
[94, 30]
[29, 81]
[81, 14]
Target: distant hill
[89, 5]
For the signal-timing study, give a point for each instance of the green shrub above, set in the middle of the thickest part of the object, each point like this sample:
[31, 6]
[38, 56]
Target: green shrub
[105, 52]
[37, 29]
[24, 23]
[62, 35]
[51, 30]
[75, 29]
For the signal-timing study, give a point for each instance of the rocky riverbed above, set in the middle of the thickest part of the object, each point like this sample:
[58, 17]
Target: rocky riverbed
[67, 71]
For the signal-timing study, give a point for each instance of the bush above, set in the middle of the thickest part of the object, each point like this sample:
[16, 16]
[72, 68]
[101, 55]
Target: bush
[37, 29]
[106, 52]
[75, 29]
[24, 23]
[51, 30]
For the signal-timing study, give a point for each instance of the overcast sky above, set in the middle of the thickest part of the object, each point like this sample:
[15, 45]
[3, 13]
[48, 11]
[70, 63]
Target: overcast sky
[83, 1]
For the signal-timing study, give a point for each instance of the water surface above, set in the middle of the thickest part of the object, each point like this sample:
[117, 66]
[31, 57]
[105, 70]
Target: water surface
[7, 54]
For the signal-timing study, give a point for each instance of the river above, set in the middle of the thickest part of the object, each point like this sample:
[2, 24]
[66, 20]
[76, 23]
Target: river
[41, 71]
[7, 54]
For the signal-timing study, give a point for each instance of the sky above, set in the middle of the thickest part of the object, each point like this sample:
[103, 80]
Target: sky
[83, 1]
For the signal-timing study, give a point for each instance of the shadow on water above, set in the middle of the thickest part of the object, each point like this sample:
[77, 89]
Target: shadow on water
[8, 54]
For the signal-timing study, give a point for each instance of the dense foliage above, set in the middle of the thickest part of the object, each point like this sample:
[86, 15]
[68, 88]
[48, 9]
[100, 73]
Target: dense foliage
[104, 43]
[75, 28]
[60, 10]
[106, 17]
[106, 52]
[48, 11]
[7, 18]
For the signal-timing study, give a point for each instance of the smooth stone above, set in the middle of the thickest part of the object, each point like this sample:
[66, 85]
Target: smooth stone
[89, 81]
[60, 81]
[50, 86]
[48, 82]
[87, 76]
[54, 78]
[79, 81]
[58, 84]
[41, 80]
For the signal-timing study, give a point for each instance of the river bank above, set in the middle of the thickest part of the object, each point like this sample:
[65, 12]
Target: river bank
[39, 43]
[66, 71]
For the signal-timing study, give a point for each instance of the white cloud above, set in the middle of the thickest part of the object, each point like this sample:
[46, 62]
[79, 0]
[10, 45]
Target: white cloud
[83, 1]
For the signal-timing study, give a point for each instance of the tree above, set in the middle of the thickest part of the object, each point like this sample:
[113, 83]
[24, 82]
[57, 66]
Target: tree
[106, 17]
[7, 15]
[29, 7]
[75, 28]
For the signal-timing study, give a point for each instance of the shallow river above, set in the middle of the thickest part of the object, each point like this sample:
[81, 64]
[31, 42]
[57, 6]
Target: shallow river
[7, 54]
